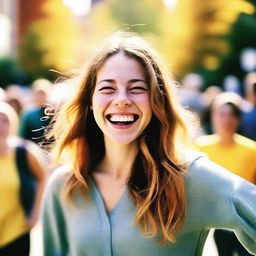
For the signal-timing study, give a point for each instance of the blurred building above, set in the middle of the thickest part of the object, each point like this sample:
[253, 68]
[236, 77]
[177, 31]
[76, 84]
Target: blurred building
[8, 32]
[15, 18]
[28, 11]
[96, 1]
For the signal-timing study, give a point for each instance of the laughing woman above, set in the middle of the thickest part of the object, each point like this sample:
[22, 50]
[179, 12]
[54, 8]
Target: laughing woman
[128, 187]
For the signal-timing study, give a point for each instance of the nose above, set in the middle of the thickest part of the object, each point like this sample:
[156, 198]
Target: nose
[122, 99]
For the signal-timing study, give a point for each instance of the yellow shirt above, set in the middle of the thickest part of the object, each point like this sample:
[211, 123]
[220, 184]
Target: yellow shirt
[12, 217]
[239, 158]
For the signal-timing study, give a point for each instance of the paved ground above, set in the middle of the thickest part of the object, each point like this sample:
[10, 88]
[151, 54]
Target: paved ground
[36, 250]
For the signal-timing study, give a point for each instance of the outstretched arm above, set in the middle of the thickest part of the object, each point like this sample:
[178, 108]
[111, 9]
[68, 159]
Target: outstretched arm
[219, 199]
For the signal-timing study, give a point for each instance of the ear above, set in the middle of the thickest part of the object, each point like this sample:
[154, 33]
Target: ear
[91, 108]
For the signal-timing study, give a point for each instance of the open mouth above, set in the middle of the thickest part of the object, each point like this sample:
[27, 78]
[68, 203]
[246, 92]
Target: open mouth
[122, 119]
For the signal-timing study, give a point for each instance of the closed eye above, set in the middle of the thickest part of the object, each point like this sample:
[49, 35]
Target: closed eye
[138, 89]
[106, 89]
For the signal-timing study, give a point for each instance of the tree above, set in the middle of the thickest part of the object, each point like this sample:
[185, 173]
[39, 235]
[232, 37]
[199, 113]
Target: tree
[9, 72]
[48, 42]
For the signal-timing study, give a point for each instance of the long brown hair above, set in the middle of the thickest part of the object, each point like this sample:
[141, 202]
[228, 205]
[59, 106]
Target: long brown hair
[157, 182]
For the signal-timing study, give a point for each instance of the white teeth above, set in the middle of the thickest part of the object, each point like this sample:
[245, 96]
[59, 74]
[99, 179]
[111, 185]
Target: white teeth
[122, 118]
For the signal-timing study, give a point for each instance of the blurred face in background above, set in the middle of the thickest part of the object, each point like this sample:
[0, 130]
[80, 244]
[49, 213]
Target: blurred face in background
[9, 121]
[40, 97]
[226, 119]
[41, 89]
[4, 125]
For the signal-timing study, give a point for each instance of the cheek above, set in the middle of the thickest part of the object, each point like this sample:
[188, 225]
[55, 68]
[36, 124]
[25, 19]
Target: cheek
[98, 102]
[5, 128]
[143, 103]
[216, 120]
[146, 110]
[230, 120]
[234, 122]
[99, 105]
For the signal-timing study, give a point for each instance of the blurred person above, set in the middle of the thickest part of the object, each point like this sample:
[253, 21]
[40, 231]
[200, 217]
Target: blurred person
[249, 80]
[22, 180]
[232, 151]
[231, 84]
[15, 97]
[34, 120]
[128, 187]
[15, 103]
[14, 90]
[190, 94]
[2, 94]
[248, 122]
[209, 96]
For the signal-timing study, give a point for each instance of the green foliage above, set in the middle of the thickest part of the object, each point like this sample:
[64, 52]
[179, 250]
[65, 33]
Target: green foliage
[9, 72]
[47, 43]
[197, 36]
[242, 35]
[137, 16]
[31, 56]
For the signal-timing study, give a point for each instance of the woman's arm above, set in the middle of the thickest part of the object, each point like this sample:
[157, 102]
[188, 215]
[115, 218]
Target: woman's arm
[244, 209]
[219, 199]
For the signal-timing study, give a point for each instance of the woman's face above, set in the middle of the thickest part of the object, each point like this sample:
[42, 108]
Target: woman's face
[4, 125]
[224, 120]
[120, 101]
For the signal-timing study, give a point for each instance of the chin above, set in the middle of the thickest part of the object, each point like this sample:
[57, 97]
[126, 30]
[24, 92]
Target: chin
[124, 140]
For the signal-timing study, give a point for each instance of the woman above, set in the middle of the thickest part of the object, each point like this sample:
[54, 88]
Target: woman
[22, 178]
[128, 188]
[233, 152]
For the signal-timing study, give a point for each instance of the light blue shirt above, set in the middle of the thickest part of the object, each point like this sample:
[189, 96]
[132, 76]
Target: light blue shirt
[216, 198]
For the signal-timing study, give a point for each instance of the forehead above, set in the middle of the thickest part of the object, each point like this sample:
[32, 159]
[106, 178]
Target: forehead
[120, 64]
[226, 108]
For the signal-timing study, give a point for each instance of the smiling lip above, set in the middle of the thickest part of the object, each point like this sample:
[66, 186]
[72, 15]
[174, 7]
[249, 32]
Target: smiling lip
[122, 120]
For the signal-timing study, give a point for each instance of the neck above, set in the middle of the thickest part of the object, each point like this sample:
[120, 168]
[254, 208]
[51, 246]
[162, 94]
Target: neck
[226, 139]
[118, 159]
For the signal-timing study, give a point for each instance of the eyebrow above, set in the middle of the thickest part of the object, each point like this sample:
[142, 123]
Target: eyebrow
[106, 80]
[137, 80]
[130, 81]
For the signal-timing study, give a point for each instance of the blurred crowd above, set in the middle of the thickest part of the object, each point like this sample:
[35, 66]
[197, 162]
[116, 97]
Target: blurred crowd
[226, 133]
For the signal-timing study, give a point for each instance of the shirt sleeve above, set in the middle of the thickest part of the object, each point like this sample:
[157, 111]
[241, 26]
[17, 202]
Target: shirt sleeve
[244, 205]
[55, 241]
[220, 199]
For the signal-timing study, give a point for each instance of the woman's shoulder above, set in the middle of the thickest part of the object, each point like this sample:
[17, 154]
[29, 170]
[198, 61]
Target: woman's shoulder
[205, 176]
[59, 177]
[245, 142]
[200, 167]
[190, 156]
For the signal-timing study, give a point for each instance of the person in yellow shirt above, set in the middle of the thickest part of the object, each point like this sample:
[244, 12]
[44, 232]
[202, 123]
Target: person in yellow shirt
[239, 157]
[232, 151]
[18, 214]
